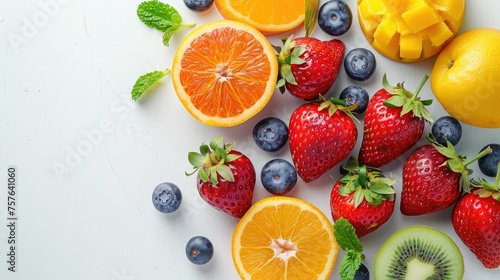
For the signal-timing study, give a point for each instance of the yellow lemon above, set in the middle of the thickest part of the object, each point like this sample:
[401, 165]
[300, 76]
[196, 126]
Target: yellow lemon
[466, 77]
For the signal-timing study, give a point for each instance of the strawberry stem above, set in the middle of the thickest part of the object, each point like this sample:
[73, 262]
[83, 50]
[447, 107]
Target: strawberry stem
[420, 86]
[478, 156]
[497, 178]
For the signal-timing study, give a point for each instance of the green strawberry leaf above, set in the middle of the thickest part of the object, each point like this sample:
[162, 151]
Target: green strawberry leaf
[226, 173]
[381, 187]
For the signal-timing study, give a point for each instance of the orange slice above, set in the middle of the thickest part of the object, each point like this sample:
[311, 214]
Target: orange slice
[224, 72]
[268, 16]
[284, 238]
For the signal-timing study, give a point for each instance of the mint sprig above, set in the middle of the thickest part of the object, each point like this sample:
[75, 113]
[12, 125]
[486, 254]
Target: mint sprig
[162, 17]
[348, 240]
[146, 81]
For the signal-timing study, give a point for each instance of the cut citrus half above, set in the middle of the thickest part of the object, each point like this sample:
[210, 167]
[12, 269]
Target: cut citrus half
[268, 16]
[284, 238]
[224, 72]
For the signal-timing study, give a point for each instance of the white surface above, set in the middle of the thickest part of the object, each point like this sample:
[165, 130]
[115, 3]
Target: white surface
[84, 207]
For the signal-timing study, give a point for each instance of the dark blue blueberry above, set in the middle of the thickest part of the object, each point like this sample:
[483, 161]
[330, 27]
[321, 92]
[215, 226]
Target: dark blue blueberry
[352, 94]
[447, 127]
[199, 5]
[360, 64]
[270, 134]
[278, 176]
[335, 17]
[362, 273]
[199, 250]
[167, 197]
[488, 164]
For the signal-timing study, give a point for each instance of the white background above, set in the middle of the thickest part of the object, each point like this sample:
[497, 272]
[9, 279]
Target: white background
[88, 157]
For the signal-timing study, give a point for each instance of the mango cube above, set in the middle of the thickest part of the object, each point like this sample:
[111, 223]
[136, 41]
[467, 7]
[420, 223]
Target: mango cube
[385, 31]
[450, 9]
[421, 17]
[438, 33]
[410, 46]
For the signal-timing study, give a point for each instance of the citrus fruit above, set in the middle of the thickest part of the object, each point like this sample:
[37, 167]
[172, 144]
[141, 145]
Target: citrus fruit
[224, 72]
[268, 16]
[284, 238]
[410, 30]
[465, 78]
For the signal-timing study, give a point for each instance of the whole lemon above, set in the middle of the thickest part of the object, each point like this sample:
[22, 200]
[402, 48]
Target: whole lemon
[466, 77]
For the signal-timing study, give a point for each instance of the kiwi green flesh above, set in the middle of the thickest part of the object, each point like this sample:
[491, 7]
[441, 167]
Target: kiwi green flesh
[418, 253]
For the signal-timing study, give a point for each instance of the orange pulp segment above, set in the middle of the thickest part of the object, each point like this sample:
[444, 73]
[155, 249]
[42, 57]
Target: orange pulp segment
[284, 238]
[224, 72]
[268, 16]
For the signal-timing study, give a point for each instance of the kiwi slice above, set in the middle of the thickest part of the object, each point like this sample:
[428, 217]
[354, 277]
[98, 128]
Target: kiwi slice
[419, 253]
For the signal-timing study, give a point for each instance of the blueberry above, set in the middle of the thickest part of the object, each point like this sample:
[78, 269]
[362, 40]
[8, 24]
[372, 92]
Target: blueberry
[335, 17]
[488, 164]
[352, 94]
[199, 250]
[199, 5]
[360, 64]
[447, 127]
[270, 134]
[362, 273]
[167, 197]
[278, 176]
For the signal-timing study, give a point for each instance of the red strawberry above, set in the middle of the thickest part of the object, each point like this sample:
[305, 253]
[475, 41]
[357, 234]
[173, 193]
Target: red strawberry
[476, 220]
[363, 196]
[321, 134]
[394, 122]
[225, 177]
[433, 178]
[309, 66]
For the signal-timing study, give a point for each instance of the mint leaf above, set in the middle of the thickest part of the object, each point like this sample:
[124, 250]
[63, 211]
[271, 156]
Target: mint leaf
[161, 16]
[145, 81]
[168, 34]
[158, 15]
[349, 264]
[348, 240]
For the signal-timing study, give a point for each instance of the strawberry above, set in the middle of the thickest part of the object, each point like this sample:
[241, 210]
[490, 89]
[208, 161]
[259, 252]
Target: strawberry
[434, 177]
[363, 196]
[225, 177]
[309, 66]
[321, 134]
[476, 220]
[394, 122]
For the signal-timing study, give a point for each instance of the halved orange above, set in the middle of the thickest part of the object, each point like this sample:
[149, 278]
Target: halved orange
[224, 72]
[284, 238]
[268, 16]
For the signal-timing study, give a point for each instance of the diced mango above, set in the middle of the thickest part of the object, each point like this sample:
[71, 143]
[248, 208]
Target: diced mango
[385, 31]
[410, 46]
[421, 17]
[429, 50]
[390, 50]
[375, 7]
[438, 33]
[410, 30]
[367, 11]
[450, 9]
